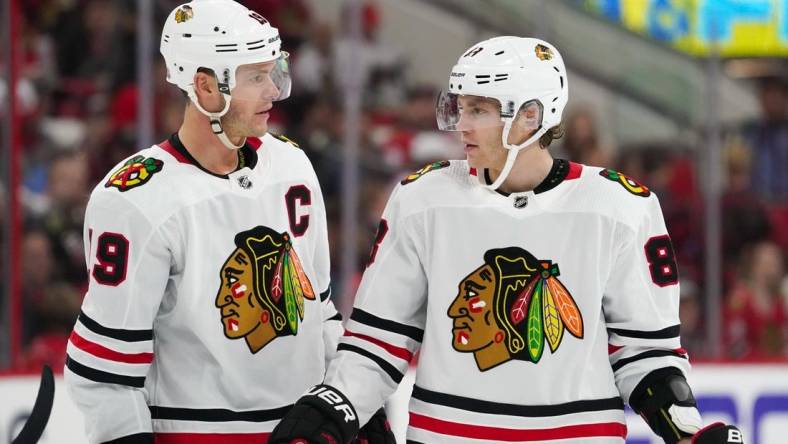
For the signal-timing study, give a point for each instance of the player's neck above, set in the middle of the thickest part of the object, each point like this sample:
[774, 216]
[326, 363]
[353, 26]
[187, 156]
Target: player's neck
[198, 138]
[529, 170]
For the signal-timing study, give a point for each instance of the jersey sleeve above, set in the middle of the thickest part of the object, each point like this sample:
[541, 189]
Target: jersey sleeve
[386, 325]
[641, 302]
[112, 344]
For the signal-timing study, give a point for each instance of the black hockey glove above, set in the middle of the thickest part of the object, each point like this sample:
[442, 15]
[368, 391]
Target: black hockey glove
[322, 416]
[718, 433]
[376, 431]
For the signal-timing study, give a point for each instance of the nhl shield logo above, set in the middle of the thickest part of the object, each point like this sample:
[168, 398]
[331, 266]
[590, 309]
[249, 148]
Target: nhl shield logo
[244, 182]
[521, 202]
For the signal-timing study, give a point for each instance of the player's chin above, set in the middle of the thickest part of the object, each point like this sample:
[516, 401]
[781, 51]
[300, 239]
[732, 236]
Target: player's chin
[257, 130]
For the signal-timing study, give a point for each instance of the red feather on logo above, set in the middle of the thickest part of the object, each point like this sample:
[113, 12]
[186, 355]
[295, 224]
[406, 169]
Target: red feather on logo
[520, 305]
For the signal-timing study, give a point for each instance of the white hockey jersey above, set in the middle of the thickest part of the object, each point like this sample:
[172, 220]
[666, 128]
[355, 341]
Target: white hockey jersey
[208, 310]
[534, 313]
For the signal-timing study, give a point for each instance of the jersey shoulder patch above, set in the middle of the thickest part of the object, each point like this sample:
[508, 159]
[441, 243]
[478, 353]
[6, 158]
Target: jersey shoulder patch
[285, 140]
[629, 184]
[134, 173]
[431, 167]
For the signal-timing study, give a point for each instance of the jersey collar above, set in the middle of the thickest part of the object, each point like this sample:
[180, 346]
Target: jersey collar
[560, 171]
[247, 155]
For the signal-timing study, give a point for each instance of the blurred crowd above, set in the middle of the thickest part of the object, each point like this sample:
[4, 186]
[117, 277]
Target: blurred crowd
[78, 104]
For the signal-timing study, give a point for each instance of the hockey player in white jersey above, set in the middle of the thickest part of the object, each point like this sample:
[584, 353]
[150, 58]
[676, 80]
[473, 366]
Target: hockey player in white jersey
[208, 310]
[541, 294]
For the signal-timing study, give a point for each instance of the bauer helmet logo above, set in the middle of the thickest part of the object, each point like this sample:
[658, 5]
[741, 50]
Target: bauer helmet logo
[543, 52]
[184, 13]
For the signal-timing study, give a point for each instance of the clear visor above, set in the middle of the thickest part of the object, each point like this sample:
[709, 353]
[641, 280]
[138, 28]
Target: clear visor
[457, 112]
[266, 81]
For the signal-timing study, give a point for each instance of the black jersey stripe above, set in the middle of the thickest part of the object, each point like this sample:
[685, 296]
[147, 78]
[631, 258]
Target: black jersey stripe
[665, 333]
[102, 376]
[336, 317]
[499, 408]
[326, 294]
[365, 318]
[137, 438]
[392, 371]
[217, 415]
[645, 355]
[115, 333]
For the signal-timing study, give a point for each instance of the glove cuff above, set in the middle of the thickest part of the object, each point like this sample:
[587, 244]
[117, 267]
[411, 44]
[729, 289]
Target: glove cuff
[336, 407]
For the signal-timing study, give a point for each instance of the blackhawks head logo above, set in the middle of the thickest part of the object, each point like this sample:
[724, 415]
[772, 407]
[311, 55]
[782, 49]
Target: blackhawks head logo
[263, 287]
[184, 13]
[135, 172]
[510, 307]
[543, 52]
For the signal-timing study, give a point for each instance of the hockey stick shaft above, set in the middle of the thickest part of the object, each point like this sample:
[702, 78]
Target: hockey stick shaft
[37, 421]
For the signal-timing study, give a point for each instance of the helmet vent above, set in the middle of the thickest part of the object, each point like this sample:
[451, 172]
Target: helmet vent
[499, 53]
[556, 69]
[562, 81]
[227, 47]
[555, 98]
[256, 45]
[501, 77]
[188, 36]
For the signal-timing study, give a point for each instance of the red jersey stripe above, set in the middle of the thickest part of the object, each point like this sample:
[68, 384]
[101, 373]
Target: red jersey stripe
[105, 353]
[613, 348]
[399, 352]
[254, 142]
[167, 146]
[499, 434]
[575, 169]
[211, 438]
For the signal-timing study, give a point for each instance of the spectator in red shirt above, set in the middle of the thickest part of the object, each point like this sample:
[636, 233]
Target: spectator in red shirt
[756, 321]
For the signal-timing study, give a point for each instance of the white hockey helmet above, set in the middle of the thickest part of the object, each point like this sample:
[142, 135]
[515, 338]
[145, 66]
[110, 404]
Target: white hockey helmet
[521, 74]
[220, 35]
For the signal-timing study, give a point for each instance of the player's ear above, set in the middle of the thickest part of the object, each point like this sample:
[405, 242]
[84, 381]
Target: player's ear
[207, 90]
[526, 122]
